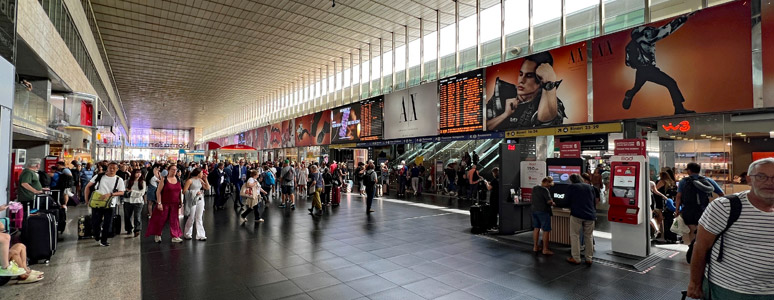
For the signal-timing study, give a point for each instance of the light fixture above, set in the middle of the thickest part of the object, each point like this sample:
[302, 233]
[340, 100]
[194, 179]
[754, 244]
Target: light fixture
[728, 144]
[703, 135]
[771, 134]
[738, 133]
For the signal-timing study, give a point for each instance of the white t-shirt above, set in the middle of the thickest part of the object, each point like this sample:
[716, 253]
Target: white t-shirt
[106, 185]
[154, 181]
[748, 250]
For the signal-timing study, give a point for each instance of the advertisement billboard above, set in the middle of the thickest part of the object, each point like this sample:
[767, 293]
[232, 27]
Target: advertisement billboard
[702, 65]
[461, 100]
[262, 137]
[275, 136]
[345, 124]
[544, 89]
[411, 112]
[313, 129]
[372, 119]
[767, 49]
[288, 136]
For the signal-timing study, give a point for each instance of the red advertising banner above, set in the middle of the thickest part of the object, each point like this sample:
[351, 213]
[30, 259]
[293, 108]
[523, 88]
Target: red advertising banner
[570, 150]
[767, 47]
[518, 94]
[630, 147]
[275, 136]
[313, 129]
[288, 136]
[633, 80]
[262, 137]
[87, 114]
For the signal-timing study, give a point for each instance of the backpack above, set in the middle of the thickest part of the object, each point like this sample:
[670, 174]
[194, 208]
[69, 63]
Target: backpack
[733, 216]
[43, 178]
[367, 180]
[633, 54]
[268, 178]
[288, 175]
[695, 197]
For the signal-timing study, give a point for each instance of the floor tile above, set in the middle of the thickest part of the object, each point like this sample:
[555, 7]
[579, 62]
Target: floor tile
[429, 288]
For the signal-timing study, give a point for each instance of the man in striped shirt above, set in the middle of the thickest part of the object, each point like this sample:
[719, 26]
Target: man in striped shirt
[747, 268]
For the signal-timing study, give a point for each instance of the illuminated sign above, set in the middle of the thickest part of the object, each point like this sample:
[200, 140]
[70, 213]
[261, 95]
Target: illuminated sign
[461, 97]
[511, 147]
[683, 126]
[566, 130]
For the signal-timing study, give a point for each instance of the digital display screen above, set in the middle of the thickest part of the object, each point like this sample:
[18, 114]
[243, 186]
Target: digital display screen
[461, 98]
[345, 124]
[561, 174]
[372, 119]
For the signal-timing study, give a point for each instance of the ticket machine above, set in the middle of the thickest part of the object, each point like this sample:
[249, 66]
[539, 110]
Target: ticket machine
[629, 205]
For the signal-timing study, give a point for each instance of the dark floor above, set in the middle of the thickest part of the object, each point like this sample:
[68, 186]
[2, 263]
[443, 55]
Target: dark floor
[399, 252]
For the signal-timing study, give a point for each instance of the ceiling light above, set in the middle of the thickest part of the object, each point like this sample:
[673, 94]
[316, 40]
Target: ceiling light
[703, 135]
[728, 144]
[738, 133]
[771, 134]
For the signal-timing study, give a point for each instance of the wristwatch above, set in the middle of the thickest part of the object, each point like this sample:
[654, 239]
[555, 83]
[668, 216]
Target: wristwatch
[550, 85]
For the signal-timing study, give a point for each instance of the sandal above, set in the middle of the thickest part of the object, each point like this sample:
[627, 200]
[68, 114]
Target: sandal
[30, 279]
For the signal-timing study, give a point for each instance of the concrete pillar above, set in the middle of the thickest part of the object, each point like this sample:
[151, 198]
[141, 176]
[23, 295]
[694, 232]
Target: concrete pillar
[7, 76]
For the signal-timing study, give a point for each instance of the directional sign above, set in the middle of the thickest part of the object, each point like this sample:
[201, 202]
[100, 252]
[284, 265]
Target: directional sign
[588, 142]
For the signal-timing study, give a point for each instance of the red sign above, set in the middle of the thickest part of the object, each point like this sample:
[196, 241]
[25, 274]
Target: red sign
[511, 147]
[683, 126]
[569, 150]
[630, 147]
[87, 113]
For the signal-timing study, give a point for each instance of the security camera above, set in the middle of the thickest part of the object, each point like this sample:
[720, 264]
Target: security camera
[515, 50]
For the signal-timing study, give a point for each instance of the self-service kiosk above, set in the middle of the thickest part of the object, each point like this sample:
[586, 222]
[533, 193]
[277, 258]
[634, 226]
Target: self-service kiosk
[628, 188]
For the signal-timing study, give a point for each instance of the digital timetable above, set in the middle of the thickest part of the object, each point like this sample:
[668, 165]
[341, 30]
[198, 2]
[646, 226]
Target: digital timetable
[461, 98]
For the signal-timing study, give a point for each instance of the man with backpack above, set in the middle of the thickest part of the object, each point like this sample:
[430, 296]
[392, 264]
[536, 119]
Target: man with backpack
[267, 182]
[740, 265]
[693, 194]
[288, 175]
[641, 56]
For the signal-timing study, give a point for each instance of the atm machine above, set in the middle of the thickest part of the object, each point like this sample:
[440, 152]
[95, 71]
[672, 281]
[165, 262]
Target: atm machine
[629, 209]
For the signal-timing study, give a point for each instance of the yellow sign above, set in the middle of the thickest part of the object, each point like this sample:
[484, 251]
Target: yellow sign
[419, 160]
[566, 130]
[342, 146]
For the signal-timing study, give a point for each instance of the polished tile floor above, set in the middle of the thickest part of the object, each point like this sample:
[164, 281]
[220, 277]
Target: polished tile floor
[405, 250]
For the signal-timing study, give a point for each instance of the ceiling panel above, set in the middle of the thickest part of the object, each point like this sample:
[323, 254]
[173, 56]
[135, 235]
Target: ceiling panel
[189, 63]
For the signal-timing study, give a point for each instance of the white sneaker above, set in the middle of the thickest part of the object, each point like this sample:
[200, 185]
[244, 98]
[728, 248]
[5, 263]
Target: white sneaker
[157, 238]
[177, 240]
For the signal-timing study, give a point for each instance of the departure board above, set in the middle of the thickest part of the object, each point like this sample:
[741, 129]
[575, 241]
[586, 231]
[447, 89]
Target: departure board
[461, 97]
[372, 119]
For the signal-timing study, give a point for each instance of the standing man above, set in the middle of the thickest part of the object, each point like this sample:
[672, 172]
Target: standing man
[218, 178]
[238, 175]
[122, 172]
[583, 214]
[641, 56]
[288, 177]
[30, 184]
[693, 197]
[745, 228]
[369, 180]
[109, 186]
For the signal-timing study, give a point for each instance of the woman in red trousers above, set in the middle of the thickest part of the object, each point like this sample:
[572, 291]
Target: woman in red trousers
[168, 194]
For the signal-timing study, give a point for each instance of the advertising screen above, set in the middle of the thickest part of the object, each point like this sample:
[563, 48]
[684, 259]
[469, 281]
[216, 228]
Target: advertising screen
[697, 54]
[523, 93]
[372, 119]
[314, 129]
[461, 98]
[561, 174]
[345, 124]
[411, 112]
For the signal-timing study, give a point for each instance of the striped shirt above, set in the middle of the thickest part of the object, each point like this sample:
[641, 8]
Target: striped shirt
[748, 251]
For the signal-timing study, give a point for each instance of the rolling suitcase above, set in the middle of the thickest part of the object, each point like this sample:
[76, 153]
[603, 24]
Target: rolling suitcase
[84, 227]
[335, 195]
[349, 186]
[117, 221]
[479, 217]
[40, 236]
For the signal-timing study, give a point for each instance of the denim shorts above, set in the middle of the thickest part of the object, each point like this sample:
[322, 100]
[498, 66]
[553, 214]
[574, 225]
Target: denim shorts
[288, 189]
[542, 220]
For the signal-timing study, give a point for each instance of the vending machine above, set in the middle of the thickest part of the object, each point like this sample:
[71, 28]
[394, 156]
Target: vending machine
[629, 205]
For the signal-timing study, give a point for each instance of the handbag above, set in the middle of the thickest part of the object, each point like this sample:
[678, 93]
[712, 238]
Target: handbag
[96, 201]
[679, 227]
[246, 191]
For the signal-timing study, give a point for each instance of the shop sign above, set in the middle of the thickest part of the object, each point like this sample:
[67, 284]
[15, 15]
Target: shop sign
[532, 174]
[566, 130]
[630, 147]
[569, 150]
[342, 146]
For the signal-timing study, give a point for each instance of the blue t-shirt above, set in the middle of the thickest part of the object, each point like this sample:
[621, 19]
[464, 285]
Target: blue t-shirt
[318, 180]
[582, 201]
[681, 184]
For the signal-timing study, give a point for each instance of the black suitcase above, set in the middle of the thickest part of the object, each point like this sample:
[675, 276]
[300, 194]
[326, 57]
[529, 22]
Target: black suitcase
[479, 219]
[84, 227]
[40, 236]
[117, 221]
[61, 220]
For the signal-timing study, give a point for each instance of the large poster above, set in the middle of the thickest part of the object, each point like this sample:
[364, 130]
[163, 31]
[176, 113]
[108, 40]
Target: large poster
[345, 124]
[767, 45]
[314, 129]
[288, 136]
[411, 112]
[275, 136]
[262, 137]
[543, 89]
[702, 65]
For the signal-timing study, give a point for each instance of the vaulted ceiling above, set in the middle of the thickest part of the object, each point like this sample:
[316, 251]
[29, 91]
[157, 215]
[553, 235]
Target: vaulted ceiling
[188, 63]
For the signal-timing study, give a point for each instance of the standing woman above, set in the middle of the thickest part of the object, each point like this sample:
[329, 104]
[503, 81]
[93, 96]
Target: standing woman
[303, 175]
[152, 182]
[494, 196]
[167, 207]
[133, 204]
[253, 204]
[194, 198]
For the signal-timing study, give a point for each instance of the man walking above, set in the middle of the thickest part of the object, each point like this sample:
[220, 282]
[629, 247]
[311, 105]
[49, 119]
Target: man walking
[744, 224]
[641, 56]
[110, 186]
[238, 176]
[693, 197]
[583, 213]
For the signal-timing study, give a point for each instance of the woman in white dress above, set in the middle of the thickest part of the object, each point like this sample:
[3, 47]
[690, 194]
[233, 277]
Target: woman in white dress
[194, 203]
[303, 176]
